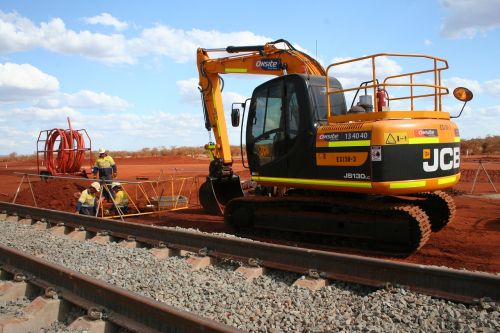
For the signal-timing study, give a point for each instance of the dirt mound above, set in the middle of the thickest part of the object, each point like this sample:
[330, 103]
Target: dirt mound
[56, 194]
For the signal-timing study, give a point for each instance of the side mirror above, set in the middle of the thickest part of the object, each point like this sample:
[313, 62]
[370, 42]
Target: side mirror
[235, 114]
[462, 94]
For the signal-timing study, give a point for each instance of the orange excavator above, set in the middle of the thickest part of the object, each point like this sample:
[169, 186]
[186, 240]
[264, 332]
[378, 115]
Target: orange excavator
[373, 171]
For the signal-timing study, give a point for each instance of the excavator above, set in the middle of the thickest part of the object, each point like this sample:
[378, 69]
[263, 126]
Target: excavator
[373, 171]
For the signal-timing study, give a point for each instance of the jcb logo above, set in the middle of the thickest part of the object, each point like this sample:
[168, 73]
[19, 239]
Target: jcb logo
[444, 159]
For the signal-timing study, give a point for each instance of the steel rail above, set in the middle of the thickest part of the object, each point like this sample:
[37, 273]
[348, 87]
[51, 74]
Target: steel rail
[451, 284]
[121, 307]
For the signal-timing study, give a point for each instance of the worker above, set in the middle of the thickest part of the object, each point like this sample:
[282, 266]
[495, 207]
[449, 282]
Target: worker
[120, 198]
[87, 203]
[106, 167]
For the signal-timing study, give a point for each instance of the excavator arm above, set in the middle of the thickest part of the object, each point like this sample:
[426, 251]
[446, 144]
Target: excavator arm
[267, 59]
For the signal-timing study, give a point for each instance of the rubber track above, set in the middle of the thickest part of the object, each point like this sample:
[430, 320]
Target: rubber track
[421, 227]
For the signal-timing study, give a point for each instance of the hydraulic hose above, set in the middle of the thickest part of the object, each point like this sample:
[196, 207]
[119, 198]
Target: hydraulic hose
[68, 157]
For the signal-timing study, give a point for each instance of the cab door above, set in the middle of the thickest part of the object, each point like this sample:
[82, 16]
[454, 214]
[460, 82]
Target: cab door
[272, 127]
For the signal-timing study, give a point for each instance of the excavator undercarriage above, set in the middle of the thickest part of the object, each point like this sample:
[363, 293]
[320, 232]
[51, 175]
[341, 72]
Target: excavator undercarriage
[400, 225]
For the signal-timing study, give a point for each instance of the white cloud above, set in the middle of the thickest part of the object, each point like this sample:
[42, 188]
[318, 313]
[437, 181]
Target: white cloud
[188, 91]
[107, 19]
[24, 82]
[492, 87]
[18, 33]
[84, 99]
[352, 74]
[35, 114]
[428, 42]
[478, 122]
[90, 99]
[12, 139]
[454, 82]
[180, 45]
[467, 18]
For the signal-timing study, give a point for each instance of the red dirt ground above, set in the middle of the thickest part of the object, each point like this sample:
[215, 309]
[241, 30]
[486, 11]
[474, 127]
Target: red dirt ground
[472, 241]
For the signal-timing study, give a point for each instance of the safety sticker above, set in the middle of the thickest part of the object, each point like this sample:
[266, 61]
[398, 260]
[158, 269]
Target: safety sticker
[395, 138]
[376, 153]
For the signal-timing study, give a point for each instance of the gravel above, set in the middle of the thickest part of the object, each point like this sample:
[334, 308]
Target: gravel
[268, 304]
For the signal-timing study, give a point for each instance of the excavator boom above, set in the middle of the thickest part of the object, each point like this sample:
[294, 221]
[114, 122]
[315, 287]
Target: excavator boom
[268, 59]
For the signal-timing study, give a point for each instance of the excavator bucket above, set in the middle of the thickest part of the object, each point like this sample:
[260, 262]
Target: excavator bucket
[215, 193]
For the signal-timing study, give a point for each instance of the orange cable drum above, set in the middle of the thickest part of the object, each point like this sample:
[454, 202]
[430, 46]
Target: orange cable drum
[70, 152]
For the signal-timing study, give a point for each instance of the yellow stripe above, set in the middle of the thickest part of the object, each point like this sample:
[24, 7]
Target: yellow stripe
[457, 139]
[410, 184]
[354, 143]
[447, 180]
[235, 70]
[414, 141]
[320, 182]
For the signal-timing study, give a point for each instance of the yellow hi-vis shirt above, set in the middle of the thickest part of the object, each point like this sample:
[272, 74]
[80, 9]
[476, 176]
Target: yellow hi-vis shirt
[104, 162]
[87, 199]
[106, 166]
[121, 198]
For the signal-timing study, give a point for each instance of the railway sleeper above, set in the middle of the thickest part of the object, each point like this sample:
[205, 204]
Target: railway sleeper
[42, 310]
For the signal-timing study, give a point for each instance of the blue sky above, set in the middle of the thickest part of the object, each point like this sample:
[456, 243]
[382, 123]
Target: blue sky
[126, 71]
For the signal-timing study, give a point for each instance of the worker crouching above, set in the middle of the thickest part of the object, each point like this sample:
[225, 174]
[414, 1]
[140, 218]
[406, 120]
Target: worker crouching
[120, 199]
[87, 203]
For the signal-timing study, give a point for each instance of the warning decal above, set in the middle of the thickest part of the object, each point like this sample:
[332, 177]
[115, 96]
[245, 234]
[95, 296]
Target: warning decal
[376, 153]
[395, 138]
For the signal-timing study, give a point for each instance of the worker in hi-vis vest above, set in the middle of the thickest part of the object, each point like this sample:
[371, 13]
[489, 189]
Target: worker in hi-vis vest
[87, 203]
[120, 197]
[106, 167]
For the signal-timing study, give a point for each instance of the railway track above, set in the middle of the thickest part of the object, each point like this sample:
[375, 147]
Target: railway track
[119, 307]
[450, 284]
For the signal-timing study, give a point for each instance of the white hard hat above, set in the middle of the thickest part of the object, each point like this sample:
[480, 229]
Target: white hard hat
[115, 184]
[96, 185]
[102, 151]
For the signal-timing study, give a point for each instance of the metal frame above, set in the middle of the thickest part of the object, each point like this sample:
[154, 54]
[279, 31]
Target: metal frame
[480, 167]
[438, 66]
[171, 187]
[43, 136]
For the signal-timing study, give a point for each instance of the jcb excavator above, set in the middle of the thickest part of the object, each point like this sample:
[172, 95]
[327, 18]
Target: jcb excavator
[371, 171]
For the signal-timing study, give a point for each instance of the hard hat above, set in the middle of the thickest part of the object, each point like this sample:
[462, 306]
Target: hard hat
[96, 185]
[102, 151]
[115, 184]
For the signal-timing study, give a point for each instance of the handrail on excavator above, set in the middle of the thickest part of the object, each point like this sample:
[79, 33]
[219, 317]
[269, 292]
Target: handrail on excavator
[439, 90]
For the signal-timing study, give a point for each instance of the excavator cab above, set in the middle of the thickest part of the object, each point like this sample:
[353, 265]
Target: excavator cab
[283, 117]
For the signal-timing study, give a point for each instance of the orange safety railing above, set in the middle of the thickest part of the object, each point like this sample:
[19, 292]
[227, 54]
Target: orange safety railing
[437, 90]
